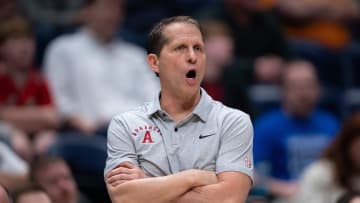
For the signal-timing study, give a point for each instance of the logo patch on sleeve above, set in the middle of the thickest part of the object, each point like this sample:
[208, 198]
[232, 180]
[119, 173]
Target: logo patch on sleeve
[247, 162]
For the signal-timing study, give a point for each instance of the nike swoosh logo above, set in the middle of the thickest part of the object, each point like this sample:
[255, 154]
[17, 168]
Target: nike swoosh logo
[204, 136]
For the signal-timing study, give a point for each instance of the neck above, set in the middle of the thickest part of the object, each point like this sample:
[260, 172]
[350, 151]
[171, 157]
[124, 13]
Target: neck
[178, 107]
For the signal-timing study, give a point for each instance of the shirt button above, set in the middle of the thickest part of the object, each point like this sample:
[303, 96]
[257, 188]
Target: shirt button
[175, 129]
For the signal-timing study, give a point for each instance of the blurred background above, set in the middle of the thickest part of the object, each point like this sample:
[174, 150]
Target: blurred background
[68, 66]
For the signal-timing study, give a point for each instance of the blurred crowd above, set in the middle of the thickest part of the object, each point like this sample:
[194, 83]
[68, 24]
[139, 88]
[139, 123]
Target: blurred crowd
[68, 66]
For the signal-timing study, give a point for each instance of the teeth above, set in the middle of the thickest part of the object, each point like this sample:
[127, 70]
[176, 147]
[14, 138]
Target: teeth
[191, 74]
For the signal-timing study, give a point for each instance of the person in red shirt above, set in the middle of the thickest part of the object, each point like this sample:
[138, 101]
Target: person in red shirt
[25, 100]
[220, 54]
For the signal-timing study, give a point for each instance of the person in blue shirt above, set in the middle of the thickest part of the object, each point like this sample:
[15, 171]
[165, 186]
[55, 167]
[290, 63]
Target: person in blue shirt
[287, 139]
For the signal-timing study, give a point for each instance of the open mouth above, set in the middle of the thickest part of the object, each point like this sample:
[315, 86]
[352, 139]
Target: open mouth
[191, 74]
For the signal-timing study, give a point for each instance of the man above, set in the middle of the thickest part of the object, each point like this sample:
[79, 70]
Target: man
[54, 175]
[288, 139]
[26, 103]
[94, 75]
[184, 146]
[260, 48]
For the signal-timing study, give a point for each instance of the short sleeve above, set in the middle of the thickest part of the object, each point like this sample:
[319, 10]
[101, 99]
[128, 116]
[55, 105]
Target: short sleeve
[120, 146]
[236, 148]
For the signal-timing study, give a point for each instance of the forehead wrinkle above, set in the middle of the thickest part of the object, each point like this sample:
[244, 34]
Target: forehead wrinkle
[177, 32]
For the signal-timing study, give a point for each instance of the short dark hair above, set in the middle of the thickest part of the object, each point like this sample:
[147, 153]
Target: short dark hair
[156, 39]
[15, 26]
[41, 163]
[337, 152]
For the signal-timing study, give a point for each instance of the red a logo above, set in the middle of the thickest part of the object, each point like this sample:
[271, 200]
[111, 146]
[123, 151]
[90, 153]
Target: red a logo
[147, 138]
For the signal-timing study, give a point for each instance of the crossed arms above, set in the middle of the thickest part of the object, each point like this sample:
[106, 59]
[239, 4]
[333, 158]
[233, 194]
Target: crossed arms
[128, 184]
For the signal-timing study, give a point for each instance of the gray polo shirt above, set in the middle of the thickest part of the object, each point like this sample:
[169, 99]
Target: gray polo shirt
[213, 137]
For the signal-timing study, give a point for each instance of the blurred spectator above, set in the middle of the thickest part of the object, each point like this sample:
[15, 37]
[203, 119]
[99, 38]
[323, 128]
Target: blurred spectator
[31, 194]
[260, 46]
[51, 18]
[4, 195]
[319, 21]
[351, 197]
[319, 31]
[54, 175]
[76, 149]
[220, 54]
[25, 100]
[338, 171]
[94, 75]
[287, 139]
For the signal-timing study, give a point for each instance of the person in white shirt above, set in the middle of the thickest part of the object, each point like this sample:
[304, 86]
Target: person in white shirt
[94, 75]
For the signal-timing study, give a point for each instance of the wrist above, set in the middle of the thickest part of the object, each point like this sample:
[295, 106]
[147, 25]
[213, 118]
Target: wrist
[199, 178]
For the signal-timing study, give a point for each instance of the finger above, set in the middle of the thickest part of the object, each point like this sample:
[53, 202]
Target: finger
[116, 183]
[119, 177]
[119, 170]
[127, 164]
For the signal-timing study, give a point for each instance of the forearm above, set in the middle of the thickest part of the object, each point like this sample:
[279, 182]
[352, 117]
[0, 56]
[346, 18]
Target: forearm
[30, 119]
[159, 189]
[224, 191]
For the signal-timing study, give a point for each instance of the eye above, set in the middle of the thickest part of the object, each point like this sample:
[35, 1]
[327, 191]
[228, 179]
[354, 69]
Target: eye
[198, 48]
[180, 48]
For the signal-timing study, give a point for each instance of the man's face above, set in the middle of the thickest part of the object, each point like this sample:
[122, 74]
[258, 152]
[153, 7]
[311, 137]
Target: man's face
[181, 63]
[57, 180]
[18, 51]
[105, 18]
[301, 91]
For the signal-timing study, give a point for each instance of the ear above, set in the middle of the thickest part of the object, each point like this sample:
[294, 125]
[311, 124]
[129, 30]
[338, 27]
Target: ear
[153, 62]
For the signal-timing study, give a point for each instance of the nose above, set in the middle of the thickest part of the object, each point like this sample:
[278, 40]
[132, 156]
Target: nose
[192, 57]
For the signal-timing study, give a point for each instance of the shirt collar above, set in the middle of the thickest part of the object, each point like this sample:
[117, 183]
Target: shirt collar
[202, 109]
[154, 106]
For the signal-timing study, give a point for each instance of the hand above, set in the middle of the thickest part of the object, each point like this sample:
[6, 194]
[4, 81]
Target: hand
[126, 171]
